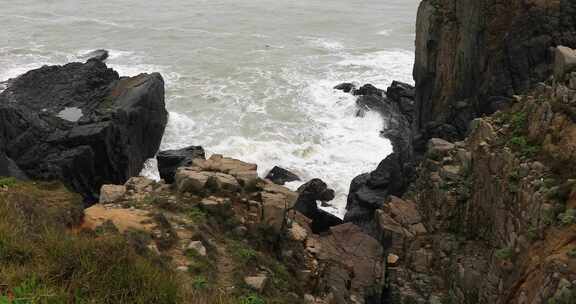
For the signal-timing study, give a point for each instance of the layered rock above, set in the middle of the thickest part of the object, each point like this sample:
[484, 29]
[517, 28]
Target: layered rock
[497, 211]
[341, 265]
[472, 56]
[81, 123]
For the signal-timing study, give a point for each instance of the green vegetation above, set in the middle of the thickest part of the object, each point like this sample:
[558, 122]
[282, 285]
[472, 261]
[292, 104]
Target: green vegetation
[504, 253]
[41, 261]
[242, 252]
[251, 299]
[199, 282]
[568, 217]
[7, 181]
[533, 233]
[522, 146]
[197, 215]
[572, 253]
[199, 264]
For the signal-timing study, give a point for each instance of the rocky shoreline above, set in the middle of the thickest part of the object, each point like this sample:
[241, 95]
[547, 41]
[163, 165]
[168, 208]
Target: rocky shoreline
[476, 204]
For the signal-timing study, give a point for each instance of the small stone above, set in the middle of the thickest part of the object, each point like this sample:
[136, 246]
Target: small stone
[392, 259]
[240, 231]
[297, 232]
[450, 172]
[309, 299]
[256, 282]
[111, 193]
[182, 268]
[437, 148]
[198, 247]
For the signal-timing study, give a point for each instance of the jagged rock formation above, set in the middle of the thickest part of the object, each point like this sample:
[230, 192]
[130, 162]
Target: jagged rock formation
[472, 56]
[82, 124]
[225, 197]
[368, 191]
[492, 219]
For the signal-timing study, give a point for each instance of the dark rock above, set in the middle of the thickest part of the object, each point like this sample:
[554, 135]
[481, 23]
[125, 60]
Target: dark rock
[9, 168]
[345, 87]
[309, 193]
[504, 49]
[370, 190]
[398, 90]
[280, 176]
[170, 160]
[368, 89]
[82, 124]
[99, 55]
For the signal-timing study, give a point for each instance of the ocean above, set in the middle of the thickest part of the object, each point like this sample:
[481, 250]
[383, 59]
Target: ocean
[250, 79]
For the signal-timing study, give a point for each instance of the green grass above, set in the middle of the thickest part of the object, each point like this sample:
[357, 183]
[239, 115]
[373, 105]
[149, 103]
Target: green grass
[197, 215]
[7, 181]
[199, 282]
[242, 253]
[251, 299]
[504, 253]
[568, 217]
[522, 146]
[41, 261]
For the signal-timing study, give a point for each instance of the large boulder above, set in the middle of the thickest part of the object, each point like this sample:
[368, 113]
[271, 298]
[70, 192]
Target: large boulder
[83, 124]
[170, 160]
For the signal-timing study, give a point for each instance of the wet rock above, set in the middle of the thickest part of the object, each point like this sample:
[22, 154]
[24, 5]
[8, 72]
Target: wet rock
[368, 89]
[111, 193]
[311, 192]
[82, 124]
[170, 160]
[346, 87]
[99, 55]
[280, 176]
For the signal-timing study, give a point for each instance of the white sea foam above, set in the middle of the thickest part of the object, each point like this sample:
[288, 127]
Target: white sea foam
[386, 32]
[328, 142]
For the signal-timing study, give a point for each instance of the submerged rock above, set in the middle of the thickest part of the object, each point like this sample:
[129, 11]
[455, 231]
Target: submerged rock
[170, 160]
[120, 124]
[280, 176]
[345, 87]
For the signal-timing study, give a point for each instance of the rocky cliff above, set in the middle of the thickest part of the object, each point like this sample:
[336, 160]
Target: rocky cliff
[492, 219]
[488, 216]
[473, 55]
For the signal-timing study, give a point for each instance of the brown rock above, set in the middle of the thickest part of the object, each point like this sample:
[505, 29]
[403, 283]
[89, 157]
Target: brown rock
[111, 193]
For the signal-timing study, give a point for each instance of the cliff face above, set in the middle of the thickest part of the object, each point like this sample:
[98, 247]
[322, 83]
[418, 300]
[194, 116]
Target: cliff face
[492, 219]
[472, 55]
